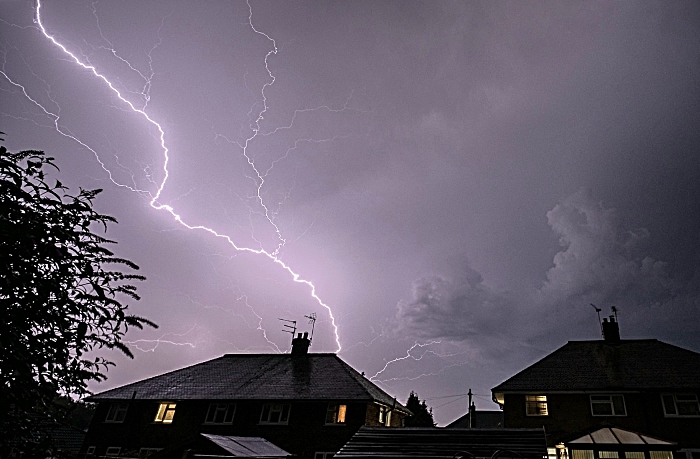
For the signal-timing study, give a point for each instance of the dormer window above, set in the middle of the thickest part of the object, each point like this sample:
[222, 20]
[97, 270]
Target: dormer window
[166, 412]
[536, 405]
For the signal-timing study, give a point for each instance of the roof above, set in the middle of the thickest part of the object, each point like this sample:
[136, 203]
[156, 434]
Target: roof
[609, 436]
[436, 442]
[482, 419]
[256, 377]
[600, 365]
[246, 446]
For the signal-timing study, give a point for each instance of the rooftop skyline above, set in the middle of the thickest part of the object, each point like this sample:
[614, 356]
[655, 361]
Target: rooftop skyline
[448, 187]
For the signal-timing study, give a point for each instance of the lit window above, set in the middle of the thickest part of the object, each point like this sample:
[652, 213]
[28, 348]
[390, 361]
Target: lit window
[536, 405]
[581, 454]
[275, 413]
[113, 451]
[681, 404]
[385, 416]
[220, 413]
[117, 412]
[660, 454]
[336, 414]
[608, 405]
[165, 414]
[634, 454]
[608, 455]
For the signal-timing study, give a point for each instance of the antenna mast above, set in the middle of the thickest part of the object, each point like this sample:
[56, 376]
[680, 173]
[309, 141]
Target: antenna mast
[312, 321]
[597, 309]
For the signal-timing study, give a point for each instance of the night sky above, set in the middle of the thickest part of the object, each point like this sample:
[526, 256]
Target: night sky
[458, 180]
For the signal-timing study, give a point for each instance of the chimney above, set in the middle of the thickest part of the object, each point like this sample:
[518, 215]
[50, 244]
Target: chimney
[611, 330]
[300, 344]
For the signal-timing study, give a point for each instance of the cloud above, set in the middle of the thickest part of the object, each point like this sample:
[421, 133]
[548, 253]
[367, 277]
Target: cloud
[454, 307]
[601, 261]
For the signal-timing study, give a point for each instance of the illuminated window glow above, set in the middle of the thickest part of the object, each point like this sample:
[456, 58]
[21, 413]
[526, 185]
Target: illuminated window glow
[336, 414]
[536, 405]
[166, 412]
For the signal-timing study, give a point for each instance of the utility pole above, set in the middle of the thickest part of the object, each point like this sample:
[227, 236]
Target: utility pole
[469, 418]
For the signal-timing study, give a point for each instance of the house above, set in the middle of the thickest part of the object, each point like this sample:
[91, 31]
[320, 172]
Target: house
[438, 442]
[303, 403]
[622, 394]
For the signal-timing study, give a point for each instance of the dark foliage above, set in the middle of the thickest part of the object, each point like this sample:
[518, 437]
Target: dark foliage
[422, 415]
[61, 294]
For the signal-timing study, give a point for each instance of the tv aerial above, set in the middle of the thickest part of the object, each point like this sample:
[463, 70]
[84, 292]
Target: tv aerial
[312, 321]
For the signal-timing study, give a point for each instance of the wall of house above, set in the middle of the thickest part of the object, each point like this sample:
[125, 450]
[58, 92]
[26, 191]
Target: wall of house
[305, 433]
[570, 414]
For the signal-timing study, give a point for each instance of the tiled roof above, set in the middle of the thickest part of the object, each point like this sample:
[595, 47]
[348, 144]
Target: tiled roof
[598, 365]
[436, 442]
[256, 377]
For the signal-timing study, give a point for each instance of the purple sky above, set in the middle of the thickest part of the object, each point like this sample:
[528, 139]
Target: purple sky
[459, 180]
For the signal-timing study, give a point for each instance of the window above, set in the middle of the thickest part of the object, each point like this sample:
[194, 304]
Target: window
[275, 413]
[220, 413]
[323, 455]
[581, 454]
[385, 416]
[166, 412]
[536, 405]
[90, 452]
[608, 405]
[113, 451]
[145, 452]
[634, 454]
[608, 455]
[336, 414]
[680, 404]
[117, 412]
[660, 454]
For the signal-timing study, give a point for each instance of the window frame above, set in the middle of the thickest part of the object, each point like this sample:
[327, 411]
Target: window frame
[609, 402]
[538, 402]
[271, 408]
[336, 414]
[113, 453]
[165, 413]
[693, 398]
[229, 410]
[115, 410]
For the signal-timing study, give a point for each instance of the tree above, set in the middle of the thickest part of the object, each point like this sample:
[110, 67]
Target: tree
[61, 294]
[422, 415]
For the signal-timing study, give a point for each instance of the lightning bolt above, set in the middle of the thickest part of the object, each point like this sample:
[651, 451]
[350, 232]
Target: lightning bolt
[155, 198]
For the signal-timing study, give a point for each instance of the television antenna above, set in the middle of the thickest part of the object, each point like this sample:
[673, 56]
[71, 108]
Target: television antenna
[312, 321]
[597, 309]
[286, 327]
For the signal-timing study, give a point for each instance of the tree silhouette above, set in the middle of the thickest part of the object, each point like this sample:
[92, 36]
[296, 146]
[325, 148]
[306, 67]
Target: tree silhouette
[422, 415]
[61, 294]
